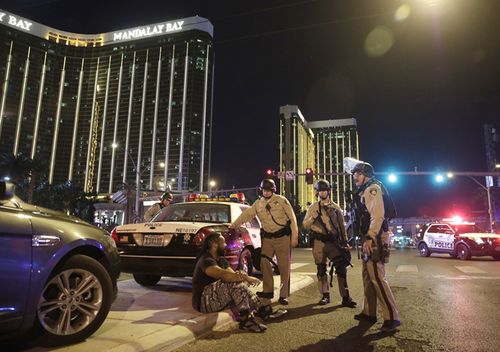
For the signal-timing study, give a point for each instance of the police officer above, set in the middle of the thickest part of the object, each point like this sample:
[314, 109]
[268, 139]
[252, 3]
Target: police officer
[165, 201]
[373, 226]
[325, 221]
[279, 231]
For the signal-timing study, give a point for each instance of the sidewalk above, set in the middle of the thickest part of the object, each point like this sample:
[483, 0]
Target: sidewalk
[159, 318]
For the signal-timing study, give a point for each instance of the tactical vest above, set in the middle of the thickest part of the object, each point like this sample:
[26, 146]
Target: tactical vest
[363, 217]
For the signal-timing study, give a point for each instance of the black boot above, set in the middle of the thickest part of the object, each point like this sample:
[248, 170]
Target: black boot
[283, 301]
[325, 300]
[348, 302]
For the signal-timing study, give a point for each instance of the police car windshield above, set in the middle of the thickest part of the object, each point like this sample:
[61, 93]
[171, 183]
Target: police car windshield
[194, 212]
[465, 228]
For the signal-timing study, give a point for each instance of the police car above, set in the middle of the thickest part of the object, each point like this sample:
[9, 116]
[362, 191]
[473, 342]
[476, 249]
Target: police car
[459, 239]
[169, 244]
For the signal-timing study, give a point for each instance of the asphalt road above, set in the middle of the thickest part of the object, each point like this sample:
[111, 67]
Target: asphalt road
[446, 305]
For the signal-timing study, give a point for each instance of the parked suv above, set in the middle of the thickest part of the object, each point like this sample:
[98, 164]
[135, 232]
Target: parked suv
[170, 243]
[57, 273]
[461, 240]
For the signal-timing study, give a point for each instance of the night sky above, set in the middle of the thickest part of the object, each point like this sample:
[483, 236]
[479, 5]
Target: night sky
[421, 88]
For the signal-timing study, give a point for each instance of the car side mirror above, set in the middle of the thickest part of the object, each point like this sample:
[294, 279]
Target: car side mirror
[6, 190]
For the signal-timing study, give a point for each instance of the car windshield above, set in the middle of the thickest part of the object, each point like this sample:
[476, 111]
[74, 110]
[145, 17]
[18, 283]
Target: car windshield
[194, 212]
[465, 228]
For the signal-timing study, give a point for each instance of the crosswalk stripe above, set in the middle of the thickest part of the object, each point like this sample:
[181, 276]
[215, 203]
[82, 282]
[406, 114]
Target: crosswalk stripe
[407, 269]
[470, 270]
[305, 273]
[298, 265]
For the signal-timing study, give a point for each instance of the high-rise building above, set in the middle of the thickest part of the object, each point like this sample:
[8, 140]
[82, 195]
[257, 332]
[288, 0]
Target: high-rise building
[296, 155]
[95, 106]
[319, 145]
[335, 140]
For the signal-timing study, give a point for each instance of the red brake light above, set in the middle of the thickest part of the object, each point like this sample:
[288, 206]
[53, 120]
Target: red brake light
[114, 235]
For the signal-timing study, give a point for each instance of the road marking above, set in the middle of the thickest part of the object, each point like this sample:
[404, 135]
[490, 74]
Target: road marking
[441, 277]
[298, 265]
[407, 269]
[305, 273]
[470, 270]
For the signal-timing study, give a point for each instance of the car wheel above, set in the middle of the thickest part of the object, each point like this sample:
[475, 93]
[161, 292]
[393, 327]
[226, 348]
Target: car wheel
[423, 250]
[146, 280]
[463, 253]
[74, 302]
[246, 262]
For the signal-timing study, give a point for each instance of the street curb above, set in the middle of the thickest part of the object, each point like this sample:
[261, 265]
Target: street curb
[205, 324]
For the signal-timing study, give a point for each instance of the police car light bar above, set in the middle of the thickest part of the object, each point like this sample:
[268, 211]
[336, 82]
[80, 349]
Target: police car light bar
[234, 197]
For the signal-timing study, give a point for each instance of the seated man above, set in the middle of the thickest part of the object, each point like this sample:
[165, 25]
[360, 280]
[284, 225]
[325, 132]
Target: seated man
[217, 287]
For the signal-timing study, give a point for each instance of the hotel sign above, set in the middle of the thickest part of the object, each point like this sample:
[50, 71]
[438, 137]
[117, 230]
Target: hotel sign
[147, 31]
[14, 21]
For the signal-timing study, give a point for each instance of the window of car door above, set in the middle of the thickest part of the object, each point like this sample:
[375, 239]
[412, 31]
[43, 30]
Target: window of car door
[436, 233]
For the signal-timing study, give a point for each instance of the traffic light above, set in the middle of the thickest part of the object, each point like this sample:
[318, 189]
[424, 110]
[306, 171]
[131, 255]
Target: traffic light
[309, 176]
[269, 173]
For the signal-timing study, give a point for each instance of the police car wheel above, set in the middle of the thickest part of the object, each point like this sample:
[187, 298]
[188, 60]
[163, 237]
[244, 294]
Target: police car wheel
[463, 253]
[423, 250]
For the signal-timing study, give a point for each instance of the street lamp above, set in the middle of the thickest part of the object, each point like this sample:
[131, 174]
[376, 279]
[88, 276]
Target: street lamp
[138, 174]
[392, 178]
[439, 178]
[212, 184]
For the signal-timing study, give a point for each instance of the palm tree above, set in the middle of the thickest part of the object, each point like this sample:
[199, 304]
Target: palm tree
[23, 171]
[16, 167]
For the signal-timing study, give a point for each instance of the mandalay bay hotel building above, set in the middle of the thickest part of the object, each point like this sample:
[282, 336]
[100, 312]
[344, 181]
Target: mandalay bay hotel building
[92, 106]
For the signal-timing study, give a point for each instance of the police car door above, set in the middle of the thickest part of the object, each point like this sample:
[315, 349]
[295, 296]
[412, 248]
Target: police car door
[432, 236]
[448, 237]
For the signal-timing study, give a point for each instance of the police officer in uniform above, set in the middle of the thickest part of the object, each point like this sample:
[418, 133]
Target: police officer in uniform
[373, 227]
[279, 231]
[165, 201]
[325, 221]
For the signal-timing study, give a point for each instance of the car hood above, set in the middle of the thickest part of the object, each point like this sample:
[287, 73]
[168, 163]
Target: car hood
[167, 227]
[479, 235]
[51, 213]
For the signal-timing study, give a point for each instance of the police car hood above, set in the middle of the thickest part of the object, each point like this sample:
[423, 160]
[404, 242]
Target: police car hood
[479, 235]
[169, 227]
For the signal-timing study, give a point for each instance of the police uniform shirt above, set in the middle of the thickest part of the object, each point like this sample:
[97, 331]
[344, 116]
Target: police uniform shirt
[313, 224]
[277, 207]
[152, 211]
[374, 203]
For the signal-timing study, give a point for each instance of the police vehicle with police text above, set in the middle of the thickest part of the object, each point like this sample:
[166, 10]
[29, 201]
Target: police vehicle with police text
[170, 243]
[458, 239]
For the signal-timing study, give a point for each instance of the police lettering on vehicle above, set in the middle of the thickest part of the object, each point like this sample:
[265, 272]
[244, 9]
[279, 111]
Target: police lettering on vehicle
[441, 244]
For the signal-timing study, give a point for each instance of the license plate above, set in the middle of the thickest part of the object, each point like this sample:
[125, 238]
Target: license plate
[153, 241]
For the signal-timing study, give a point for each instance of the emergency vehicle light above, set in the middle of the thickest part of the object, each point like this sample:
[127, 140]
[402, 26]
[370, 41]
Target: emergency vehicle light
[234, 197]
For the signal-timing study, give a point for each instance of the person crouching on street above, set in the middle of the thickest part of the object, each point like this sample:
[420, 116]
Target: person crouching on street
[217, 287]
